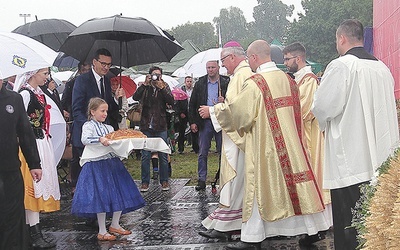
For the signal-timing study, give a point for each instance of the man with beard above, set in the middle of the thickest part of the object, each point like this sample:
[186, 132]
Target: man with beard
[294, 57]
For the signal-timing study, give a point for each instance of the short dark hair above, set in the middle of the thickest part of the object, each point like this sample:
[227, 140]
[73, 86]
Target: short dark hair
[154, 68]
[186, 77]
[103, 52]
[295, 48]
[352, 29]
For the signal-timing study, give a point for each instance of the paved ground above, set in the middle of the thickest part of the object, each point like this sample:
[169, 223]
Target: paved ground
[170, 220]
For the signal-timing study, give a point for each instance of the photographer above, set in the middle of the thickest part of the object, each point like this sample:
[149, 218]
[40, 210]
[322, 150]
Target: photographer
[155, 95]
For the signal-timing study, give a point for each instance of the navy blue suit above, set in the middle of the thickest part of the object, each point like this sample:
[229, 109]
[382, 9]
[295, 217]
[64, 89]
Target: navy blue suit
[85, 88]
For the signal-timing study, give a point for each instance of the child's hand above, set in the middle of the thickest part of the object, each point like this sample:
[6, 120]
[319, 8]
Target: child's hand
[104, 141]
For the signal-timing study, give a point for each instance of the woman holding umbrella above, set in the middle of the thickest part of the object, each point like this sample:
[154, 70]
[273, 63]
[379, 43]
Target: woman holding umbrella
[42, 196]
[129, 87]
[181, 110]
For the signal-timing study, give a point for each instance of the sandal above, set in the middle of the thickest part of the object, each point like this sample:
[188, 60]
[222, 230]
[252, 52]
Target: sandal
[106, 237]
[120, 231]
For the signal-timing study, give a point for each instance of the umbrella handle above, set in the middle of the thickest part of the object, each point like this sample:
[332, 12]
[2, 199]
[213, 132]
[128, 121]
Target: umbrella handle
[120, 102]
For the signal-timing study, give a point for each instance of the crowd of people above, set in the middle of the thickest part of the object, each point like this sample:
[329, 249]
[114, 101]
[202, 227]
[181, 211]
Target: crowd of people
[293, 149]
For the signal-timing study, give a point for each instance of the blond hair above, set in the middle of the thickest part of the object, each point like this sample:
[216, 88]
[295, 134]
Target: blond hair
[94, 104]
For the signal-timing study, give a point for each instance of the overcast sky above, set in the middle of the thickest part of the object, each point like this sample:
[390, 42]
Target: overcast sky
[164, 13]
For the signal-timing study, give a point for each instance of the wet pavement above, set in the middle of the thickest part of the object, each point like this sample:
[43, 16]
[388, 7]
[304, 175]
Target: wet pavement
[170, 220]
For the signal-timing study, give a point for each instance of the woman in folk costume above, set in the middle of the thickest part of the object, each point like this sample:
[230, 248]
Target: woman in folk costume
[42, 196]
[104, 185]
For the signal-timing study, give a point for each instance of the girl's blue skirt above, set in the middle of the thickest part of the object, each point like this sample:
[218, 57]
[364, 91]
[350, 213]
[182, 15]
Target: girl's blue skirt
[105, 186]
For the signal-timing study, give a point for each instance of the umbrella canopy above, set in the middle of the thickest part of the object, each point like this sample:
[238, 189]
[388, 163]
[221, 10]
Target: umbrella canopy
[126, 83]
[22, 54]
[179, 94]
[131, 41]
[65, 61]
[196, 65]
[63, 76]
[180, 72]
[172, 83]
[189, 50]
[51, 32]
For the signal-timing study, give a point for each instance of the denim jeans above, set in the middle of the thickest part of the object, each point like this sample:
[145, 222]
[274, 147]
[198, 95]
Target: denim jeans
[162, 158]
[206, 133]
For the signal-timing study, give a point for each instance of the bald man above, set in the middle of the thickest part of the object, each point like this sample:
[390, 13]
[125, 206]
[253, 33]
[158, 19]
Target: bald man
[281, 196]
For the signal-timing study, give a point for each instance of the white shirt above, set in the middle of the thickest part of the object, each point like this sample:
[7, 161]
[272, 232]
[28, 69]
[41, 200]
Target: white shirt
[98, 77]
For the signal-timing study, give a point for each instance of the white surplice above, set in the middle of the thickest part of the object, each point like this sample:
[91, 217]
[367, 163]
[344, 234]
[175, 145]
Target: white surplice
[358, 115]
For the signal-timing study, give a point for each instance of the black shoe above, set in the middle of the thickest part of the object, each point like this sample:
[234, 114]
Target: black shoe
[244, 245]
[308, 240]
[201, 185]
[37, 240]
[214, 234]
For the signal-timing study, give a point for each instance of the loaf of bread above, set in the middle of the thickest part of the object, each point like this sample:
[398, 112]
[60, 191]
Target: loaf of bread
[124, 134]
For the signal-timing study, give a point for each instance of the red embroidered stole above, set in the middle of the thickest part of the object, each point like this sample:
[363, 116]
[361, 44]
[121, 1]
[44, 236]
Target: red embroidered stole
[312, 75]
[271, 105]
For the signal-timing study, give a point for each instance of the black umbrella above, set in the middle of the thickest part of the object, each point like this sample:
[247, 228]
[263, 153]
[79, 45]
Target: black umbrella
[131, 41]
[65, 61]
[51, 32]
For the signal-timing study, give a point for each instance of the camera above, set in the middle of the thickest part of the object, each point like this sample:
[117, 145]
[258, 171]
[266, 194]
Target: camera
[155, 77]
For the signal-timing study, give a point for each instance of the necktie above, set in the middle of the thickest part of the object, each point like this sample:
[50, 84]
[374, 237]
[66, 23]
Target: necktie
[101, 88]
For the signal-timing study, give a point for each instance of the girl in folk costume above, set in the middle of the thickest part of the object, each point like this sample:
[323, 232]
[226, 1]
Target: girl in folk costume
[42, 196]
[104, 186]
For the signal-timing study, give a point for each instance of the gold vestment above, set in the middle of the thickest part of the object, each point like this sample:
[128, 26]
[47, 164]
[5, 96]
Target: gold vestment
[277, 171]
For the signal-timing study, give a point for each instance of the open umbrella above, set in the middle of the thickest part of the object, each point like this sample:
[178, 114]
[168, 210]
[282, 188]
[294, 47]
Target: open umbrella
[65, 61]
[51, 32]
[180, 72]
[126, 83]
[179, 94]
[131, 41]
[63, 76]
[21, 54]
[196, 65]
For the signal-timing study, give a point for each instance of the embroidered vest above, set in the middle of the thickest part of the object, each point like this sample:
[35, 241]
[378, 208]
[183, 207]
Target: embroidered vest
[36, 114]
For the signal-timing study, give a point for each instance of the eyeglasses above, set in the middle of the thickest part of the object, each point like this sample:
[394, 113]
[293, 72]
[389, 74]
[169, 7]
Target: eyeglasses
[288, 58]
[104, 64]
[223, 58]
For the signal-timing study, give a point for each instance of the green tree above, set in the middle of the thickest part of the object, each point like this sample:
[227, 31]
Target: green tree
[317, 26]
[233, 25]
[201, 34]
[271, 19]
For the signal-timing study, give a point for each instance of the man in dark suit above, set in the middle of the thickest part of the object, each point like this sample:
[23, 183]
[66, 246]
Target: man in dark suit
[66, 99]
[89, 85]
[208, 90]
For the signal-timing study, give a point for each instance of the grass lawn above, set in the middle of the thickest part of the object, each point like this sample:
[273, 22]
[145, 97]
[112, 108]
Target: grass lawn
[183, 165]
